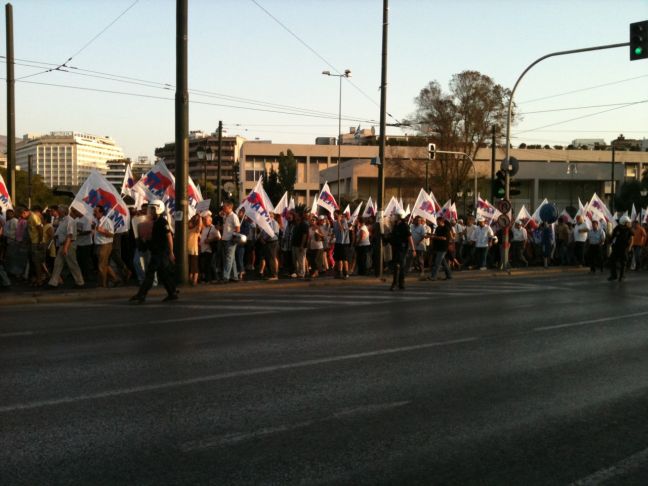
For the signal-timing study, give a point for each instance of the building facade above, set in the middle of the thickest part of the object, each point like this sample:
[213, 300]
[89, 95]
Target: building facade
[66, 158]
[203, 171]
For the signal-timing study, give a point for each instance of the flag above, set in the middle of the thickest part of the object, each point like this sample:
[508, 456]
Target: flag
[5, 199]
[282, 208]
[599, 210]
[453, 212]
[535, 217]
[446, 211]
[155, 182]
[193, 196]
[326, 199]
[255, 208]
[97, 191]
[392, 208]
[347, 211]
[129, 182]
[314, 206]
[566, 217]
[437, 206]
[425, 207]
[355, 214]
[633, 214]
[486, 210]
[291, 206]
[370, 209]
[408, 211]
[523, 216]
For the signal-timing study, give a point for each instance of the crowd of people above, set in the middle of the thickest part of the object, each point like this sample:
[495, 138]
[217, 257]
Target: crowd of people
[41, 247]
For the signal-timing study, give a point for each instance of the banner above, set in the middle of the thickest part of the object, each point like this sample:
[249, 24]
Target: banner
[523, 216]
[5, 199]
[425, 207]
[97, 191]
[326, 199]
[255, 209]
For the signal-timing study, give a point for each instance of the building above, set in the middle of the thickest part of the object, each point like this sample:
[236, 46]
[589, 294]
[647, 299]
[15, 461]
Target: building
[116, 171]
[202, 171]
[66, 158]
[590, 143]
[562, 176]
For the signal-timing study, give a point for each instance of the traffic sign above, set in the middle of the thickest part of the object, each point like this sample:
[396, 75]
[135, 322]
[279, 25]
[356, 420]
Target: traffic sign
[504, 206]
[504, 220]
[512, 167]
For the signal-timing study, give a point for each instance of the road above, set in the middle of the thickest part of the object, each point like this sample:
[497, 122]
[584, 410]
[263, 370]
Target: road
[523, 380]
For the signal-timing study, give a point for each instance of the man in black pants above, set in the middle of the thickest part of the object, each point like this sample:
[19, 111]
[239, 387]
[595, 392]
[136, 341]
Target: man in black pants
[621, 244]
[401, 239]
[162, 259]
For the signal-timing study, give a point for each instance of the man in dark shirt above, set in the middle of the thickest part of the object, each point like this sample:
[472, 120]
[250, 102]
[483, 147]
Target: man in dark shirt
[440, 239]
[621, 244]
[299, 241]
[162, 257]
[401, 239]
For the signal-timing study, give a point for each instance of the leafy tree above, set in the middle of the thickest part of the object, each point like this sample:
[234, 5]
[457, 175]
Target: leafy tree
[558, 147]
[523, 145]
[547, 147]
[40, 195]
[629, 193]
[462, 118]
[287, 174]
[272, 187]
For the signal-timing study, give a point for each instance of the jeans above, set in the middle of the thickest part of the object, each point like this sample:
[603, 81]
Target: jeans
[229, 266]
[140, 261]
[440, 262]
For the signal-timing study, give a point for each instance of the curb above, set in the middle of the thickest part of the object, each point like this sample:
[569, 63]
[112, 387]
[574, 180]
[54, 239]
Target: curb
[90, 295]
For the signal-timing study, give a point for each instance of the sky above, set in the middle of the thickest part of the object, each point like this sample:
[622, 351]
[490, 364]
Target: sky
[251, 61]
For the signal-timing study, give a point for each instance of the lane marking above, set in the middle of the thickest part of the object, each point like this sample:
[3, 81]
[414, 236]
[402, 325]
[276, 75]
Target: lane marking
[235, 438]
[625, 466]
[589, 321]
[229, 375]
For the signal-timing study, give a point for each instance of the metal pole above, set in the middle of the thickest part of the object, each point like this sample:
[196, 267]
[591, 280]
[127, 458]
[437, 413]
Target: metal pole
[11, 106]
[220, 155]
[29, 180]
[383, 126]
[427, 166]
[612, 181]
[508, 117]
[181, 142]
[339, 183]
[493, 155]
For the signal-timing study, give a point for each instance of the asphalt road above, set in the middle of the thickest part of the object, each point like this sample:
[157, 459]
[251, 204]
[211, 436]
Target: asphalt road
[505, 381]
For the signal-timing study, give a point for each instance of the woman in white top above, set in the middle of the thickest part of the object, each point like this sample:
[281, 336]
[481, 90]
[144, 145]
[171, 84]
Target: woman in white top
[363, 246]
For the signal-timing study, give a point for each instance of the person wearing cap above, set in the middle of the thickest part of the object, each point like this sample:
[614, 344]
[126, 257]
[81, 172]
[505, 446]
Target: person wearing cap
[482, 237]
[596, 241]
[518, 244]
[400, 239]
[621, 244]
[160, 244]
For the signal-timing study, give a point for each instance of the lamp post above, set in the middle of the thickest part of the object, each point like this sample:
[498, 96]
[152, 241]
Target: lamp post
[346, 74]
[201, 153]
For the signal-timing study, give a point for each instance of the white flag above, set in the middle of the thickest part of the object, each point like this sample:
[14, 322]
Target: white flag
[391, 208]
[155, 182]
[255, 208]
[128, 183]
[314, 206]
[97, 191]
[5, 199]
[425, 207]
[370, 209]
[347, 211]
[355, 214]
[326, 199]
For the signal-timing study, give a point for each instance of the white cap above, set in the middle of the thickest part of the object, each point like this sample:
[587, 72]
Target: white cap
[158, 205]
[401, 213]
[204, 214]
[624, 219]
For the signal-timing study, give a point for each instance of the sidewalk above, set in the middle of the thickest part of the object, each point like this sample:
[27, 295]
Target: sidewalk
[21, 297]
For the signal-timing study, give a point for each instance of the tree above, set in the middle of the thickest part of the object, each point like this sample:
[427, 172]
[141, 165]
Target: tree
[287, 174]
[523, 145]
[462, 119]
[40, 195]
[272, 187]
[629, 193]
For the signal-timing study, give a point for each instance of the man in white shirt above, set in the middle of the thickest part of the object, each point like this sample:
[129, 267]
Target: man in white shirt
[231, 225]
[482, 237]
[518, 244]
[580, 237]
[65, 238]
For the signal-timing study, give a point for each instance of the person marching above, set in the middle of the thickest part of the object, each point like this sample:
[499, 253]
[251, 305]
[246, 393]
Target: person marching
[162, 259]
[401, 240]
[621, 244]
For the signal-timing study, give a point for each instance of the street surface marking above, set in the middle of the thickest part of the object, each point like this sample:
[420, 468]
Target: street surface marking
[229, 439]
[590, 321]
[627, 465]
[229, 375]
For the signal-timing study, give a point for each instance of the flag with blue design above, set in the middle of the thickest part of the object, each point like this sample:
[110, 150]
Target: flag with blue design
[97, 191]
[5, 199]
[326, 199]
[256, 208]
[128, 183]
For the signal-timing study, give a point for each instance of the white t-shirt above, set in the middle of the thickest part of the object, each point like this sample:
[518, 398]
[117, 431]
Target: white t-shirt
[229, 226]
[578, 236]
[106, 224]
[207, 235]
[519, 234]
[481, 236]
[66, 226]
[363, 240]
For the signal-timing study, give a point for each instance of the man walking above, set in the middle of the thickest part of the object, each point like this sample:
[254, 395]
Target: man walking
[440, 239]
[621, 243]
[65, 238]
[401, 240]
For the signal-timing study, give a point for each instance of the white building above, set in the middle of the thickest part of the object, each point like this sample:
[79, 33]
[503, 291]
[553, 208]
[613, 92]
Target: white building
[66, 158]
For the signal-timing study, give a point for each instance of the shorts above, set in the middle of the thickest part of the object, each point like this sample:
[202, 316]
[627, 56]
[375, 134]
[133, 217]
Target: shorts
[341, 252]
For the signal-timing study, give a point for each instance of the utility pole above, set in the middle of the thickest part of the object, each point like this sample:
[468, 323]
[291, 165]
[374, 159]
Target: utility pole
[11, 107]
[612, 181]
[29, 180]
[181, 142]
[220, 156]
[383, 126]
[493, 155]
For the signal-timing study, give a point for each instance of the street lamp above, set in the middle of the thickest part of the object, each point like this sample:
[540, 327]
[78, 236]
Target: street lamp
[346, 74]
[205, 155]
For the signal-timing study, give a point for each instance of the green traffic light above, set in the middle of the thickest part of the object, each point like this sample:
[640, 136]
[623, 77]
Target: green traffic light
[638, 51]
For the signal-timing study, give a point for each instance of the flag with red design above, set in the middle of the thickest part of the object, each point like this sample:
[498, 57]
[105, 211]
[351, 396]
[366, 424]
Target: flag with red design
[5, 199]
[255, 206]
[97, 191]
[326, 199]
[425, 207]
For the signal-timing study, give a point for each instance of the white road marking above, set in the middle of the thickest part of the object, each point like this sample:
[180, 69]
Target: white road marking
[235, 438]
[590, 321]
[627, 465]
[228, 375]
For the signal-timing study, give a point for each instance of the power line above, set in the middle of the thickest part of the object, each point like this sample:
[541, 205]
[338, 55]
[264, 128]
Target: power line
[59, 66]
[583, 89]
[581, 107]
[305, 44]
[581, 117]
[141, 95]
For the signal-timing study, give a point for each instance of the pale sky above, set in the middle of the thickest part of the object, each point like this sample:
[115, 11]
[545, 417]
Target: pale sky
[238, 54]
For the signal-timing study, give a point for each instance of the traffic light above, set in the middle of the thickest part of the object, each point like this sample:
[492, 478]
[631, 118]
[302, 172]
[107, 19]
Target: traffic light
[499, 184]
[639, 40]
[431, 151]
[514, 188]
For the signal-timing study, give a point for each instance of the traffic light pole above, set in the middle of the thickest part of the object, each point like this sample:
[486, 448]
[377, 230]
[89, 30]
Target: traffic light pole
[505, 241]
[383, 127]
